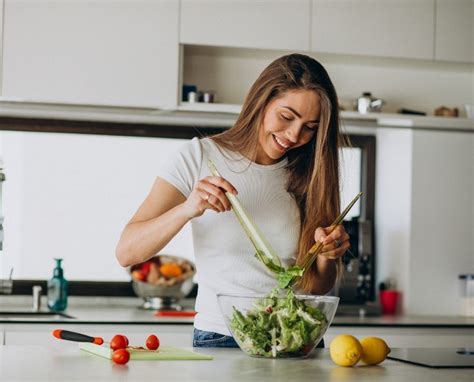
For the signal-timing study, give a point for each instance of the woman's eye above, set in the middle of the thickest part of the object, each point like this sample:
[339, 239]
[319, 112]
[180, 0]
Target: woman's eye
[286, 117]
[311, 127]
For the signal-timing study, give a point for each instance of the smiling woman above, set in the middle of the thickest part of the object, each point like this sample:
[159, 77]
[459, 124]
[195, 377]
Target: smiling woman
[282, 158]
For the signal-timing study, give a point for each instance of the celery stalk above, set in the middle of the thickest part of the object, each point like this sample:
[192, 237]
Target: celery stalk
[265, 252]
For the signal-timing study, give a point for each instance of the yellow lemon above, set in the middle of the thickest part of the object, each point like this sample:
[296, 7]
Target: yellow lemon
[375, 350]
[345, 350]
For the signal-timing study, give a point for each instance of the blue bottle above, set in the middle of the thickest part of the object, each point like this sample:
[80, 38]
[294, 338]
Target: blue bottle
[57, 289]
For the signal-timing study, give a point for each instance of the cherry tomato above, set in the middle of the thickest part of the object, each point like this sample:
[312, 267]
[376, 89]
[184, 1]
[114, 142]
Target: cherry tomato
[121, 356]
[118, 342]
[152, 342]
[125, 337]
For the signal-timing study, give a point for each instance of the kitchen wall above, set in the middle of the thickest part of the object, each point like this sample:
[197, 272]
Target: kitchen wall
[69, 196]
[414, 84]
[424, 216]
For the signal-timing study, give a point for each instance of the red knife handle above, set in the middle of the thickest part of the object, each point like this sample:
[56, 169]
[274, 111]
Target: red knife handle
[77, 337]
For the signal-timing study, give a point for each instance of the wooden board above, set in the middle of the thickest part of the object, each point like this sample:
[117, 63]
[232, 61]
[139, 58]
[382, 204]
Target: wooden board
[165, 353]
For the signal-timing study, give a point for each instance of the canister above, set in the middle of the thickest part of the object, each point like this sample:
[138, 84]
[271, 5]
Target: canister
[466, 282]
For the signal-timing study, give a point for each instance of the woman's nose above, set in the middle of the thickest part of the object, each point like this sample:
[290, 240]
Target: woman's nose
[293, 133]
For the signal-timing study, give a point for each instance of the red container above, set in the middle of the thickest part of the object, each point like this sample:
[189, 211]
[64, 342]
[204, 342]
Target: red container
[389, 301]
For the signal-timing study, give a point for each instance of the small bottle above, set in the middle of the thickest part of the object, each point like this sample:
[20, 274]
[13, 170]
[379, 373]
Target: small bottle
[57, 289]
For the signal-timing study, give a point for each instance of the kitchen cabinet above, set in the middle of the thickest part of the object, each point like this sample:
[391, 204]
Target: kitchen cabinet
[387, 28]
[121, 53]
[265, 24]
[455, 30]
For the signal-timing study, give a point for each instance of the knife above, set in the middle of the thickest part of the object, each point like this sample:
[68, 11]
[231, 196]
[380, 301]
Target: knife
[77, 337]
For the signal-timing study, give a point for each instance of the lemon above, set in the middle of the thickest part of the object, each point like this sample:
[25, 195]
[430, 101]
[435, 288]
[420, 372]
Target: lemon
[345, 350]
[375, 350]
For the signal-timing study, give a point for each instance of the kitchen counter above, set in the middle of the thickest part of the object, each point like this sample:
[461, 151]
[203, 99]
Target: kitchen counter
[64, 361]
[87, 310]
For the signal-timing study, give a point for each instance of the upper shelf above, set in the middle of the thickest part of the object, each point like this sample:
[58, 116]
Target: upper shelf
[380, 119]
[210, 115]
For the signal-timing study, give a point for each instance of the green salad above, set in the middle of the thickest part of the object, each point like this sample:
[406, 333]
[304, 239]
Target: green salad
[278, 327]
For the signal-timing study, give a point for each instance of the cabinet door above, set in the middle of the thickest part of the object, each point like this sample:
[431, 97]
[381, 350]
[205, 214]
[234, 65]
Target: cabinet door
[391, 28]
[455, 30]
[266, 24]
[121, 53]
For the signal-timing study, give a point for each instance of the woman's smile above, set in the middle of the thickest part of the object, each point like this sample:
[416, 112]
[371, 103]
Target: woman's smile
[281, 144]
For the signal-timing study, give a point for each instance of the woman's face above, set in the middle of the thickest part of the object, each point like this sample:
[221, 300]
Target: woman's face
[289, 121]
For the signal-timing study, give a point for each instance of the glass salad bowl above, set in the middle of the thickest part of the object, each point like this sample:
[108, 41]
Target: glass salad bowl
[278, 325]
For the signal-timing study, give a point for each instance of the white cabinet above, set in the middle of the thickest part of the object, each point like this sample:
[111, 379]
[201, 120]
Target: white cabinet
[123, 53]
[266, 24]
[390, 28]
[455, 30]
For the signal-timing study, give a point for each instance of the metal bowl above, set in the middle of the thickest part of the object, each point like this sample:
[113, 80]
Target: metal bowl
[165, 296]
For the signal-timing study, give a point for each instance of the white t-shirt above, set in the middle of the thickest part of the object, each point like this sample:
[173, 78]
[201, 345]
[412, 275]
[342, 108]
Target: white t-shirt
[224, 255]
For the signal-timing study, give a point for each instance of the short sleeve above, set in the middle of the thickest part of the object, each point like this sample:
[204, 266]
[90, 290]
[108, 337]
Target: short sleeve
[182, 169]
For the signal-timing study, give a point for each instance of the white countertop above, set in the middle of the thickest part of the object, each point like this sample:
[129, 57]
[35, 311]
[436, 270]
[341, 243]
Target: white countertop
[63, 361]
[210, 115]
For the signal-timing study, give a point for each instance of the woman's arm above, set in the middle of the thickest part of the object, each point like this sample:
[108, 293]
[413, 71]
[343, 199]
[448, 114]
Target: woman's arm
[164, 213]
[159, 218]
[335, 244]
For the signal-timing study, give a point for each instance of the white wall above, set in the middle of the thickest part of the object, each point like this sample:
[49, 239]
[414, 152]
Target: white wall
[393, 206]
[413, 84]
[442, 216]
[70, 196]
[424, 216]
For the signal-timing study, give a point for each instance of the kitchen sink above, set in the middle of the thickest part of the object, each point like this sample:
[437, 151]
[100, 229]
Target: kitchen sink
[13, 314]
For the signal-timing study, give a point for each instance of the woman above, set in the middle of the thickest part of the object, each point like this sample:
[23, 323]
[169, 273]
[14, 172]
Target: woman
[281, 158]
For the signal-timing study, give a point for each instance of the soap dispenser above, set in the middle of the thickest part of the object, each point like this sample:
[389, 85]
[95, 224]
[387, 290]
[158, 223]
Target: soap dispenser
[57, 289]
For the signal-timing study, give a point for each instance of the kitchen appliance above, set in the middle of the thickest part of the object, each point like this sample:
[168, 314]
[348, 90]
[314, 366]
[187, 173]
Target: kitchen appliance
[357, 289]
[368, 104]
[435, 357]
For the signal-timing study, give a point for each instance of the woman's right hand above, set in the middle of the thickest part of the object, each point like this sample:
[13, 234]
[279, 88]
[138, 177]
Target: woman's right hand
[209, 193]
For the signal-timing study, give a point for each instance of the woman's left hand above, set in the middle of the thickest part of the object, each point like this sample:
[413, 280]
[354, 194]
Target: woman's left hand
[335, 243]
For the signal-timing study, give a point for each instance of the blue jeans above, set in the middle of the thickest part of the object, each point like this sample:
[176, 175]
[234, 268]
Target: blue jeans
[203, 339]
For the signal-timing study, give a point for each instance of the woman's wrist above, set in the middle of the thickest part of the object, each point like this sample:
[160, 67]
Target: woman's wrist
[184, 212]
[323, 263]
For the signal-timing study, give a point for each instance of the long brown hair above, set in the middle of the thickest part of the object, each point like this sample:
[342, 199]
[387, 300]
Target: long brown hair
[314, 167]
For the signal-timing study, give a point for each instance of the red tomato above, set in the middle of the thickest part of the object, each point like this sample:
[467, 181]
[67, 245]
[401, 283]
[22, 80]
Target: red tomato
[121, 356]
[152, 342]
[118, 342]
[124, 337]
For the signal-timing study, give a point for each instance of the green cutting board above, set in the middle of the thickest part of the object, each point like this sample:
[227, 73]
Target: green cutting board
[165, 353]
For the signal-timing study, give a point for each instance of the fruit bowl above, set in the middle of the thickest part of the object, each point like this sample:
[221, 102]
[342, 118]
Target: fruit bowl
[278, 325]
[162, 281]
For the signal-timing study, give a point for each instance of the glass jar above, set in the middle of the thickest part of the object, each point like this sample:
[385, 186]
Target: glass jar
[467, 294]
